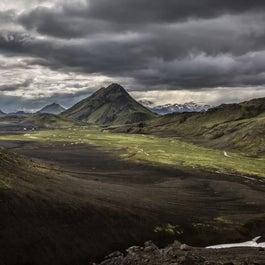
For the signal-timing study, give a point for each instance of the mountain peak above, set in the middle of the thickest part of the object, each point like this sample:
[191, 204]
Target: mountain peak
[115, 87]
[53, 108]
[53, 105]
[110, 105]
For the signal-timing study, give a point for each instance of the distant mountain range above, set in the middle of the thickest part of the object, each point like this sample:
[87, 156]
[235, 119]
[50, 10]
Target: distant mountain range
[20, 114]
[53, 108]
[172, 108]
[109, 106]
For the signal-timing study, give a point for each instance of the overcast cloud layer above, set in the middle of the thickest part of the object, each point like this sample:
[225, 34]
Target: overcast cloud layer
[208, 51]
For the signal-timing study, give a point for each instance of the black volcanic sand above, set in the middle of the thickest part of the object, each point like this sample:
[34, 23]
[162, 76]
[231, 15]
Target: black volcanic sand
[88, 203]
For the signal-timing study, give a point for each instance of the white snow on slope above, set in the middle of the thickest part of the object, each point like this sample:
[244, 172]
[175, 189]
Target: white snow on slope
[253, 243]
[225, 154]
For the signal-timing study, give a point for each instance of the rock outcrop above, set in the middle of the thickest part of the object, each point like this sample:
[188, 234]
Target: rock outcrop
[181, 254]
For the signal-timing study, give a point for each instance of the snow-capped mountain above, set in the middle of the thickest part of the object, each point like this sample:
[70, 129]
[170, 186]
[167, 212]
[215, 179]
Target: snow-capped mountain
[172, 108]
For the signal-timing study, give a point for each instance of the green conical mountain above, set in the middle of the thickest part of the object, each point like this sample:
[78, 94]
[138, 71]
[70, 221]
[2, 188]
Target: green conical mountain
[111, 105]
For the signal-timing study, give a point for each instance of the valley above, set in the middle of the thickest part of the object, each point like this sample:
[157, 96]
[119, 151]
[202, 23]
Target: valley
[91, 192]
[165, 151]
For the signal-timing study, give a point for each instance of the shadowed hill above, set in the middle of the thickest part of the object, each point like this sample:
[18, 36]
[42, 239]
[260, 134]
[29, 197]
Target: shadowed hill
[20, 113]
[48, 217]
[38, 121]
[111, 105]
[45, 120]
[10, 164]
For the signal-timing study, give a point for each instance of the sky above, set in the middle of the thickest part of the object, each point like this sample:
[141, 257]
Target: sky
[166, 51]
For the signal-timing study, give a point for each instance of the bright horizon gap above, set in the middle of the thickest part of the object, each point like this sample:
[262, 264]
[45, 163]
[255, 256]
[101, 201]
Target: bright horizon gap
[213, 97]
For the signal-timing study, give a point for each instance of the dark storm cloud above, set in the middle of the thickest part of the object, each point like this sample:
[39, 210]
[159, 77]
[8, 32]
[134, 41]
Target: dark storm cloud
[150, 11]
[94, 57]
[73, 20]
[148, 64]
[17, 86]
[11, 104]
[173, 43]
[56, 23]
[7, 16]
[13, 43]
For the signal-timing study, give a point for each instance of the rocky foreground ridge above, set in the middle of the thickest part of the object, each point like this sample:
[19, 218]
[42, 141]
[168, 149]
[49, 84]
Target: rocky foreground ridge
[181, 254]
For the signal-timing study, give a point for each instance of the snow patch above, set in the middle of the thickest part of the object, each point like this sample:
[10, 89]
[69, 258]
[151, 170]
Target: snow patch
[225, 154]
[252, 243]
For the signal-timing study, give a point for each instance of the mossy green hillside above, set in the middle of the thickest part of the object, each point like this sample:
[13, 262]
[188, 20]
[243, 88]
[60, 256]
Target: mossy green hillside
[237, 127]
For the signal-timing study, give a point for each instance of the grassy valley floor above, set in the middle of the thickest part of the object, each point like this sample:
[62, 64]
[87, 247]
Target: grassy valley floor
[173, 152]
